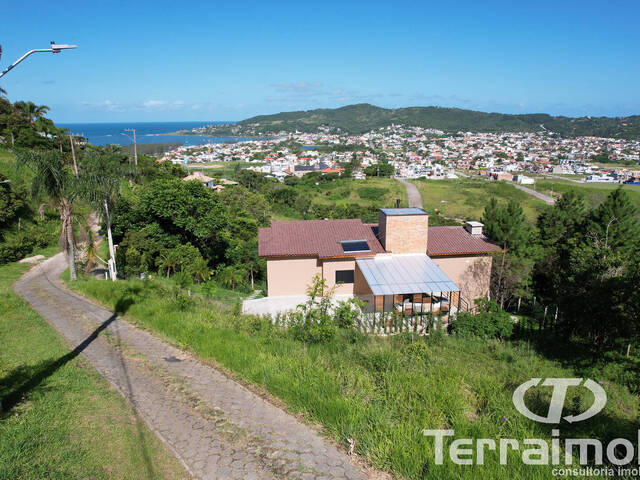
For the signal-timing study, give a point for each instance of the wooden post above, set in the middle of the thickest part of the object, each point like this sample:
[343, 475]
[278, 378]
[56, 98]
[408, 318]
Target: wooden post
[519, 301]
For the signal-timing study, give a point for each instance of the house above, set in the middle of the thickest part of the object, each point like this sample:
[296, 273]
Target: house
[207, 181]
[523, 180]
[398, 263]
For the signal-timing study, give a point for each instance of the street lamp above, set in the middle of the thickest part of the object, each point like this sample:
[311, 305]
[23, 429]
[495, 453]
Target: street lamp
[55, 48]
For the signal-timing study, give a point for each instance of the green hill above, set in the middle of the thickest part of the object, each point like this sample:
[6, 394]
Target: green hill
[356, 119]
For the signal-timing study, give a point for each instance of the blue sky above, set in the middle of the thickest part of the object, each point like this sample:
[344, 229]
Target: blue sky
[172, 61]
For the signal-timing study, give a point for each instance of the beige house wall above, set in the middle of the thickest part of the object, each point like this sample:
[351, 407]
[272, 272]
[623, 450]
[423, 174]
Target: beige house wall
[329, 268]
[471, 273]
[403, 233]
[291, 276]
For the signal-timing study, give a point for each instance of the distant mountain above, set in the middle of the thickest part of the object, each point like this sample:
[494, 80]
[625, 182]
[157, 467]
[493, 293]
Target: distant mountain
[361, 118]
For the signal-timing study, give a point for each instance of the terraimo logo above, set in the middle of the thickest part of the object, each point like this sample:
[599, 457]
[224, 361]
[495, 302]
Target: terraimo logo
[560, 386]
[620, 452]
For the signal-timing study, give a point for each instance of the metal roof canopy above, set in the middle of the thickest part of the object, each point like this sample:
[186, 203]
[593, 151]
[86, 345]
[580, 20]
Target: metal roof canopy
[404, 273]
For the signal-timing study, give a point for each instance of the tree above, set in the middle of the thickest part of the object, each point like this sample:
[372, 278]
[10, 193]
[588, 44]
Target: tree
[10, 202]
[231, 276]
[200, 269]
[616, 223]
[31, 111]
[244, 253]
[53, 178]
[99, 184]
[512, 266]
[559, 227]
[591, 269]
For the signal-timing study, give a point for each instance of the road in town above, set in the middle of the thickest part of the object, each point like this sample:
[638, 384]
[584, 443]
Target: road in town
[218, 428]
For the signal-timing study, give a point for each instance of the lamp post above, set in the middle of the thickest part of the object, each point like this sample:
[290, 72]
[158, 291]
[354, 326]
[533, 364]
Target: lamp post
[55, 48]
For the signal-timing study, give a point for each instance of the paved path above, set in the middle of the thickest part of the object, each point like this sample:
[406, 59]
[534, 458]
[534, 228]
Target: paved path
[413, 195]
[218, 428]
[545, 198]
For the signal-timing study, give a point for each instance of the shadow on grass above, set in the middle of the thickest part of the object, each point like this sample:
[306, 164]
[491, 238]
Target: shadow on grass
[24, 380]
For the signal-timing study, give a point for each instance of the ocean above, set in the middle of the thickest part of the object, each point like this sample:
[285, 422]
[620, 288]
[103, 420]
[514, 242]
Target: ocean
[146, 132]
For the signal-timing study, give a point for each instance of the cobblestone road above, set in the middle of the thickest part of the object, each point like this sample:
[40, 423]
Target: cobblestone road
[413, 195]
[218, 428]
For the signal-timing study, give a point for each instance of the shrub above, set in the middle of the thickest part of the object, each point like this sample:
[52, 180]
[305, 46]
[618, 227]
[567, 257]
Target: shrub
[490, 322]
[347, 312]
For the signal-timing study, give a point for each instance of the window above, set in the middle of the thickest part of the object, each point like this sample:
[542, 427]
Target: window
[355, 246]
[344, 276]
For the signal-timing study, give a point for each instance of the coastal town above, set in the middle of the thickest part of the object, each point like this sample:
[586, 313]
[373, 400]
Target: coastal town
[415, 152]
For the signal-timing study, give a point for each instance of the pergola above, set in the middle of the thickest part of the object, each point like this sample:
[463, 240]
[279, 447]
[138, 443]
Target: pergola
[408, 284]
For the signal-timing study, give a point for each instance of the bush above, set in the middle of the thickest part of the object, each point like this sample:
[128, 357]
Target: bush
[490, 322]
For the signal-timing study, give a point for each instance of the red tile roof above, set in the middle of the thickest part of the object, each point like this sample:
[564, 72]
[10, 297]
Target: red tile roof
[315, 238]
[322, 238]
[457, 241]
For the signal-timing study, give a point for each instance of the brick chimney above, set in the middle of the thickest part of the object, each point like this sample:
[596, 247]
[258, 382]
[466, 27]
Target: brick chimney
[403, 230]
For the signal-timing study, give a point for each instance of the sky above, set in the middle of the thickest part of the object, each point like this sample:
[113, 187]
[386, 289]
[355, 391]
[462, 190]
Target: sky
[182, 61]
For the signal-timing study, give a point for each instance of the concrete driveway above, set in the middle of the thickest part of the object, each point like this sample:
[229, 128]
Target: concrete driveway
[283, 304]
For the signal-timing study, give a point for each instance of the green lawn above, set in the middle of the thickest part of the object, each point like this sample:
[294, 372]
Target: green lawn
[594, 193]
[349, 193]
[380, 392]
[348, 190]
[68, 422]
[465, 198]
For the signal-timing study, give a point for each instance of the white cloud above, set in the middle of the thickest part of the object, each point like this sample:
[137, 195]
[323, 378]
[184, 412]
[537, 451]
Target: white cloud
[106, 105]
[154, 104]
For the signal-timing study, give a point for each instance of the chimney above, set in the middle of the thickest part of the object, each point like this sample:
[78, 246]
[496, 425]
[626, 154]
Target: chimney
[474, 228]
[403, 230]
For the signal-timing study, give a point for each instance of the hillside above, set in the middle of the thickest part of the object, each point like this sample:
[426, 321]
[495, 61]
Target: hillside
[356, 119]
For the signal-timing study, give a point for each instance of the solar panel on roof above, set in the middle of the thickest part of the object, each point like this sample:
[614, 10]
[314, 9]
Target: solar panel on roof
[355, 246]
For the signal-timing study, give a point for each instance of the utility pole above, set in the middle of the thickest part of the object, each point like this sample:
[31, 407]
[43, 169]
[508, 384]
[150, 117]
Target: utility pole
[73, 155]
[135, 146]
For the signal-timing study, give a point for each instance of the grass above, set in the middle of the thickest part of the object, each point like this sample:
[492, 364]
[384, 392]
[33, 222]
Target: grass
[594, 193]
[349, 193]
[72, 423]
[465, 198]
[380, 392]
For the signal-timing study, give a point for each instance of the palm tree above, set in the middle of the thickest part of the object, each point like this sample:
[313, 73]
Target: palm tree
[168, 261]
[99, 184]
[200, 268]
[32, 111]
[230, 276]
[54, 179]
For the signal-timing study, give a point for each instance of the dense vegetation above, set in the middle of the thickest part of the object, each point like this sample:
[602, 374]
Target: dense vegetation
[28, 220]
[361, 118]
[582, 262]
[172, 226]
